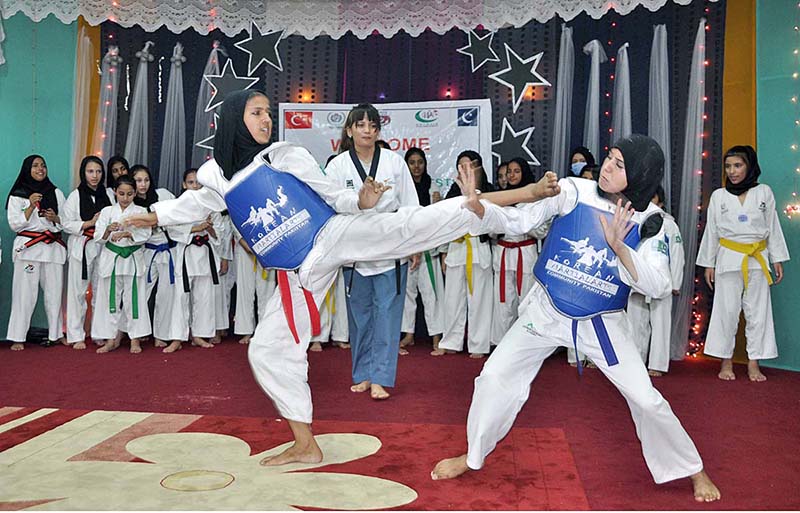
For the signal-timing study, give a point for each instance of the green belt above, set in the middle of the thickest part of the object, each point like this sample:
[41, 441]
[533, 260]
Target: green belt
[124, 252]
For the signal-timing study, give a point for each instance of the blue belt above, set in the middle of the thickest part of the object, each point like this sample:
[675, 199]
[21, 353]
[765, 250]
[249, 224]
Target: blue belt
[160, 248]
[602, 337]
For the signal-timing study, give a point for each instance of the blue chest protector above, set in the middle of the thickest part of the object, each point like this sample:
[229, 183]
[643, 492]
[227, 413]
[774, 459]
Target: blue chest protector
[580, 272]
[277, 215]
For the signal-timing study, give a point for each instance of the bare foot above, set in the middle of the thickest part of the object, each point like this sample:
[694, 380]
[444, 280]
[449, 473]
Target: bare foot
[402, 351]
[175, 345]
[197, 341]
[64, 341]
[79, 345]
[159, 343]
[136, 347]
[216, 339]
[754, 371]
[704, 489]
[360, 387]
[295, 454]
[378, 393]
[726, 370]
[450, 468]
[407, 340]
[438, 352]
[436, 340]
[109, 346]
[245, 339]
[342, 345]
[316, 347]
[655, 373]
[17, 346]
[476, 356]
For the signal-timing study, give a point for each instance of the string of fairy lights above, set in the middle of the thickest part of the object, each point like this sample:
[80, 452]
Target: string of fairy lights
[793, 208]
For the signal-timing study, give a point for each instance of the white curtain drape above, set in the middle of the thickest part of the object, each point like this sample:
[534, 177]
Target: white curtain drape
[689, 200]
[2, 38]
[658, 123]
[621, 111]
[173, 140]
[591, 121]
[136, 147]
[563, 113]
[204, 121]
[105, 126]
[334, 18]
[84, 68]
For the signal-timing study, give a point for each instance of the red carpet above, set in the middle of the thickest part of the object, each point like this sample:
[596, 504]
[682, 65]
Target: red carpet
[747, 433]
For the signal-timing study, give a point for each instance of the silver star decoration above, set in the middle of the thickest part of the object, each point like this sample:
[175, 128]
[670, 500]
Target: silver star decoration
[208, 142]
[226, 82]
[519, 74]
[479, 49]
[260, 48]
[513, 147]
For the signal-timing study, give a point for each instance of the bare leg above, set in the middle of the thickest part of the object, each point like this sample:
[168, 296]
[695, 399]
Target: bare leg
[316, 347]
[726, 370]
[17, 346]
[450, 468]
[304, 449]
[109, 345]
[704, 489]
[360, 387]
[136, 347]
[754, 371]
[378, 393]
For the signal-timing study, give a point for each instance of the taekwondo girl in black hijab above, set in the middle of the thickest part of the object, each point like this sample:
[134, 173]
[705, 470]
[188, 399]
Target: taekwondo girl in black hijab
[33, 207]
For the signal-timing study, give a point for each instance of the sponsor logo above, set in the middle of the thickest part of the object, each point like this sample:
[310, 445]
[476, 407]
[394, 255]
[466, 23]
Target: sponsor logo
[662, 247]
[30, 268]
[762, 206]
[427, 116]
[349, 184]
[295, 119]
[336, 119]
[530, 329]
[386, 119]
[468, 117]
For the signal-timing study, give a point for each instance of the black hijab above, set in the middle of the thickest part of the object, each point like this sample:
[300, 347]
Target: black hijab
[25, 185]
[527, 174]
[583, 150]
[234, 147]
[91, 201]
[150, 196]
[110, 182]
[424, 185]
[644, 169]
[748, 154]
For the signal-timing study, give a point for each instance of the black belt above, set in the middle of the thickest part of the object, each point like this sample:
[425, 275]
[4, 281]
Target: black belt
[201, 240]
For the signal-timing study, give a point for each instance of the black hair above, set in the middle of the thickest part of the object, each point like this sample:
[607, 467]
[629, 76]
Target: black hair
[110, 176]
[188, 172]
[355, 115]
[125, 180]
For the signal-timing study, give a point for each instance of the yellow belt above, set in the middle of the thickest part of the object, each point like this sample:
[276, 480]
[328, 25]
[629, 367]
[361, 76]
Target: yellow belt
[466, 240]
[330, 299]
[255, 268]
[752, 249]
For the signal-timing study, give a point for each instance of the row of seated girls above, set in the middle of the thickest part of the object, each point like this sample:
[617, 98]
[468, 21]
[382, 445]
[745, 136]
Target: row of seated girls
[470, 288]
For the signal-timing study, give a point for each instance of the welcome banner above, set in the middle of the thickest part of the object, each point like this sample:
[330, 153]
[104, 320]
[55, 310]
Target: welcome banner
[442, 129]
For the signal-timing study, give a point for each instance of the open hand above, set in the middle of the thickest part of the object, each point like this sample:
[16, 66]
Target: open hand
[467, 181]
[371, 193]
[618, 228]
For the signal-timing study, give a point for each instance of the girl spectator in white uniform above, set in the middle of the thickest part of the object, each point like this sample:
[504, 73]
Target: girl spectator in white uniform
[120, 273]
[222, 292]
[160, 256]
[426, 279]
[513, 257]
[254, 286]
[742, 235]
[116, 167]
[376, 290]
[651, 318]
[39, 253]
[79, 217]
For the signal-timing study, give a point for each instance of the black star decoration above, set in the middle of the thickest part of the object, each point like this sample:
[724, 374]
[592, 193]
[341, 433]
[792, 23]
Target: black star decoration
[261, 48]
[519, 74]
[512, 146]
[208, 142]
[225, 83]
[479, 50]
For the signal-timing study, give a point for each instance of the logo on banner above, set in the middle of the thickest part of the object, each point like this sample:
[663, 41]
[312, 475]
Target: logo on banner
[427, 117]
[298, 119]
[385, 119]
[336, 119]
[468, 117]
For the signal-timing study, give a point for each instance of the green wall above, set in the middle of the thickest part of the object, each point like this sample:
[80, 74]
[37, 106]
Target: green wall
[775, 41]
[36, 88]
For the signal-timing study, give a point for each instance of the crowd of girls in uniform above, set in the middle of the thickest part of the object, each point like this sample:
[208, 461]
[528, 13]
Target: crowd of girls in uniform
[175, 284]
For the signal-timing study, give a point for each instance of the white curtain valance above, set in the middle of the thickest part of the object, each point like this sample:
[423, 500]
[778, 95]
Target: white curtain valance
[317, 17]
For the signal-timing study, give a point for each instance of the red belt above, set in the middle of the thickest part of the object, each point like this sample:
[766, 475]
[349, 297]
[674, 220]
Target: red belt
[46, 236]
[510, 245]
[288, 308]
